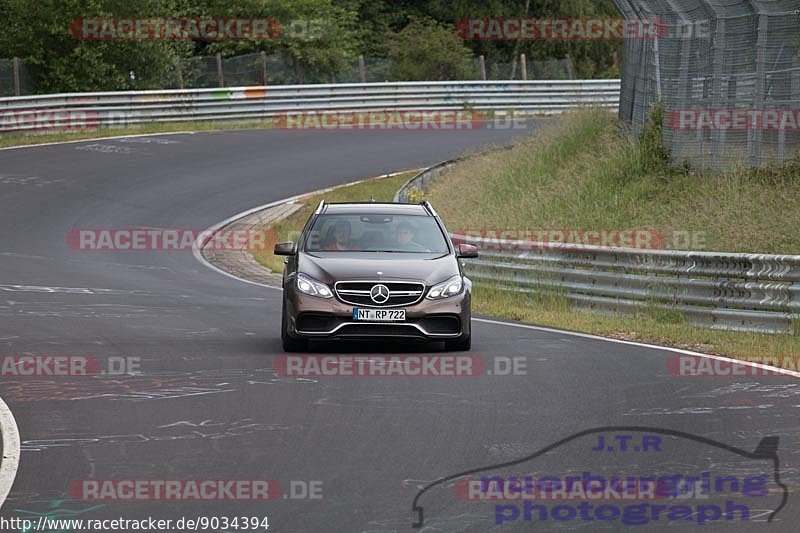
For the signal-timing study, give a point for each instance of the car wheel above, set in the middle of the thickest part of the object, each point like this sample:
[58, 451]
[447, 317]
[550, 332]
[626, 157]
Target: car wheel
[290, 344]
[461, 344]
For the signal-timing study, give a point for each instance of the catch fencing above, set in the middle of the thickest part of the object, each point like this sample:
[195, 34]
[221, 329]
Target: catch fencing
[19, 78]
[728, 74]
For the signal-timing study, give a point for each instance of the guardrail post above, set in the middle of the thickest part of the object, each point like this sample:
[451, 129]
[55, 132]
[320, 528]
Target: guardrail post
[220, 76]
[16, 76]
[523, 67]
[263, 56]
[362, 69]
[482, 62]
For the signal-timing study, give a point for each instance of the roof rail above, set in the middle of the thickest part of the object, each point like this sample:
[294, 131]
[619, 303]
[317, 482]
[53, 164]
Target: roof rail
[319, 207]
[427, 205]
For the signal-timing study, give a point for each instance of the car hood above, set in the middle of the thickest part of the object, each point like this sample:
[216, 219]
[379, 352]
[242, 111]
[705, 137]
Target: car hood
[330, 267]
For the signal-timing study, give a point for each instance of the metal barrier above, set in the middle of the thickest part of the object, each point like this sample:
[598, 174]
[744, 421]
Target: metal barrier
[736, 291]
[80, 110]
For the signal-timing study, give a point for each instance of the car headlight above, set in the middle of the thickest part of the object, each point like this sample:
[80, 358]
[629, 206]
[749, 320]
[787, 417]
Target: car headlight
[445, 289]
[312, 287]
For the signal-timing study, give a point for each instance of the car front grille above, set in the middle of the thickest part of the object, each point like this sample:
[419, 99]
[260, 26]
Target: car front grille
[380, 330]
[400, 292]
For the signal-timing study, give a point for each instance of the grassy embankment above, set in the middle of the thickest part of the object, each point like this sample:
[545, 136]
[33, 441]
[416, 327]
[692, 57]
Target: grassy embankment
[581, 173]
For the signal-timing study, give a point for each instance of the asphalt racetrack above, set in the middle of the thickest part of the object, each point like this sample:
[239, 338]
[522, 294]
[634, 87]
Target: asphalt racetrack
[350, 453]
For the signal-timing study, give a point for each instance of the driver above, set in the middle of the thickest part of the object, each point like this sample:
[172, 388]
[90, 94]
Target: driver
[341, 237]
[404, 235]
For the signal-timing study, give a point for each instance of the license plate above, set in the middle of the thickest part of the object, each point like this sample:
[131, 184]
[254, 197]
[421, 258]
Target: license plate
[379, 315]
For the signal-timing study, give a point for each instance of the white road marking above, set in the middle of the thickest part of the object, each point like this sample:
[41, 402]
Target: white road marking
[104, 139]
[11, 443]
[641, 345]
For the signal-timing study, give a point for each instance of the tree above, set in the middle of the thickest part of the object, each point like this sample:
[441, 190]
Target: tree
[428, 50]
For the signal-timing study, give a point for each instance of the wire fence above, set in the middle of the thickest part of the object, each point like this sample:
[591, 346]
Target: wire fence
[20, 78]
[727, 73]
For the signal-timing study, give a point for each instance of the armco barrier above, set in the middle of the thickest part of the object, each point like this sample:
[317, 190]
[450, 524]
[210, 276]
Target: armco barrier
[136, 107]
[737, 291]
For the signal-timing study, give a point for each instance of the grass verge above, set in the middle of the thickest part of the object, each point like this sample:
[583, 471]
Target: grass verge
[580, 173]
[656, 328]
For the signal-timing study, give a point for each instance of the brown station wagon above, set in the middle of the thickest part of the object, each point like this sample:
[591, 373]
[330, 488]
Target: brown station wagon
[375, 270]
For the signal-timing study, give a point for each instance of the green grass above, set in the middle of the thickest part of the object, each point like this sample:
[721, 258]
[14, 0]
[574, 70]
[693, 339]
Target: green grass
[29, 138]
[581, 173]
[382, 190]
[657, 328]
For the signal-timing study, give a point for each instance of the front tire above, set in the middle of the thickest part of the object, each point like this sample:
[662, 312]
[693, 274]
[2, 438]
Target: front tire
[460, 344]
[290, 344]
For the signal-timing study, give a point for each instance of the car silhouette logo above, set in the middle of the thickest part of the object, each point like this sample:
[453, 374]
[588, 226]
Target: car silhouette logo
[379, 293]
[766, 450]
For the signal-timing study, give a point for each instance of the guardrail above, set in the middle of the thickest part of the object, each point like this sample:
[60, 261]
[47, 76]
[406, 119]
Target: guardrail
[736, 291]
[136, 107]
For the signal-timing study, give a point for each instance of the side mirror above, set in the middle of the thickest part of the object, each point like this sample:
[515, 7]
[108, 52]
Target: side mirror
[467, 251]
[285, 248]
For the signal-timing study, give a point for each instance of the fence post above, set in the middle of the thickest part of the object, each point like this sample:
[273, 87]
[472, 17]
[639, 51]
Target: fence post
[263, 55]
[16, 77]
[570, 69]
[755, 138]
[179, 73]
[718, 137]
[523, 67]
[362, 69]
[482, 62]
[220, 77]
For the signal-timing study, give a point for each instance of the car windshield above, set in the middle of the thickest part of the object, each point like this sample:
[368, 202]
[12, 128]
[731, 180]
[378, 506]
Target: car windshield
[375, 232]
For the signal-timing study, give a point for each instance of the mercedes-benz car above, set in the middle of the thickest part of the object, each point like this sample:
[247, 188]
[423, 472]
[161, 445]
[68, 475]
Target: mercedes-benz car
[371, 270]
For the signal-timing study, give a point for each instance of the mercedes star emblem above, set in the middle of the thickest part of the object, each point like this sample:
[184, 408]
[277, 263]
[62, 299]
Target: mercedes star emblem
[379, 293]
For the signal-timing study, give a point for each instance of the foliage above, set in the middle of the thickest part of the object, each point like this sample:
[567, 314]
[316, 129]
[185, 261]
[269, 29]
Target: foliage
[419, 36]
[428, 50]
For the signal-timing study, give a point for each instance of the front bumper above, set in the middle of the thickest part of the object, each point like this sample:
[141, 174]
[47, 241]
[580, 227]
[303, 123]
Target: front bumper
[311, 317]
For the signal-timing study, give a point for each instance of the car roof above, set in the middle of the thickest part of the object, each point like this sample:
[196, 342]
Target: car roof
[384, 208]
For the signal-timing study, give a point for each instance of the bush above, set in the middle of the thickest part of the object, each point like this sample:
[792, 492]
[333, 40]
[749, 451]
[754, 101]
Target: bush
[428, 51]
